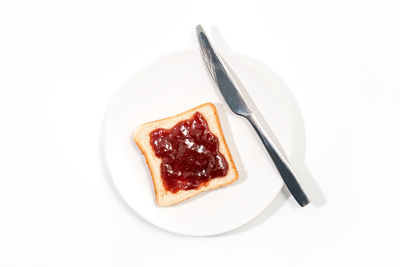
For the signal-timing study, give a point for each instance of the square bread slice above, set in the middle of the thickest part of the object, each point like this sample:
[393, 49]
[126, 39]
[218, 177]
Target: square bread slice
[142, 139]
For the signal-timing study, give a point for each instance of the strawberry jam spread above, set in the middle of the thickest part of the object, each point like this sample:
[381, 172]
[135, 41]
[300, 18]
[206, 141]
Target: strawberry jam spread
[190, 154]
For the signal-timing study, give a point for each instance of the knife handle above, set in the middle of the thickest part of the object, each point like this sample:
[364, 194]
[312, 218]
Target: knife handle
[282, 165]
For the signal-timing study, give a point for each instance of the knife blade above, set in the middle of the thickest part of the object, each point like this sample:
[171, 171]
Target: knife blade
[233, 97]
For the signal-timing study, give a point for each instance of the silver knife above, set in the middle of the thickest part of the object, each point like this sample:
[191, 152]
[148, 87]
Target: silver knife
[237, 104]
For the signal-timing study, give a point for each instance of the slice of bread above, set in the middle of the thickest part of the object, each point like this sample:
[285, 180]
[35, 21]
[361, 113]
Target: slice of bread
[142, 139]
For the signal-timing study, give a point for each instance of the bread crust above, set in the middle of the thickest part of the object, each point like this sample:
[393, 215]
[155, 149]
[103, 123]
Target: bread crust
[150, 155]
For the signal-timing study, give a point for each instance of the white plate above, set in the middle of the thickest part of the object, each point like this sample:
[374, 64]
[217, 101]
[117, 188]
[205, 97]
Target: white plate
[173, 84]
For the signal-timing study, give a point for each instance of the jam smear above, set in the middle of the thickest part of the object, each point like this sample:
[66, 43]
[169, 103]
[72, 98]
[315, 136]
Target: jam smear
[190, 154]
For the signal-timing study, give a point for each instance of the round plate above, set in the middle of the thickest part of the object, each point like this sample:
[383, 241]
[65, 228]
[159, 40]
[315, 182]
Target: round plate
[174, 84]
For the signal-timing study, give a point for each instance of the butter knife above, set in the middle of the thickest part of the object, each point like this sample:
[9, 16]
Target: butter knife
[233, 97]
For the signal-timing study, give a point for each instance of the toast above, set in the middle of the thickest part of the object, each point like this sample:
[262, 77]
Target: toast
[142, 137]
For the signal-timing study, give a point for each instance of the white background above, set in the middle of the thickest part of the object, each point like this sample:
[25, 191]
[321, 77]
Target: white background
[62, 61]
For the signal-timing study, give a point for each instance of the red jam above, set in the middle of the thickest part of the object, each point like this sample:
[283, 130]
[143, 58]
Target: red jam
[189, 153]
